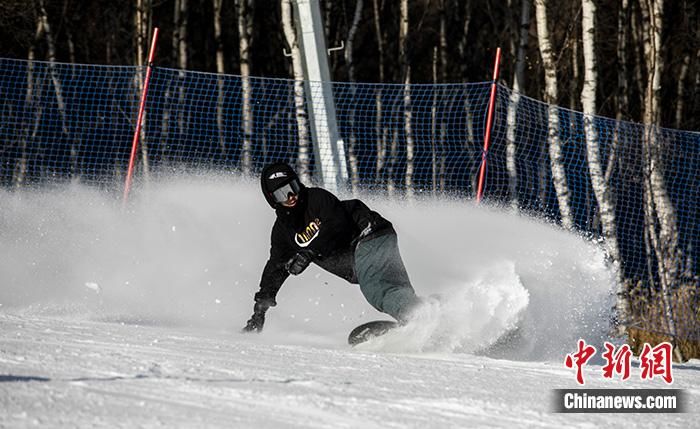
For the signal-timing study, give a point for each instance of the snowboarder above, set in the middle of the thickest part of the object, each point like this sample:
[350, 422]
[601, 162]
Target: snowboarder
[345, 238]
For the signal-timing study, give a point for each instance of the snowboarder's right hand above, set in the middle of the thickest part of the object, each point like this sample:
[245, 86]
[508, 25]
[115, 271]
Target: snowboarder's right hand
[257, 320]
[300, 261]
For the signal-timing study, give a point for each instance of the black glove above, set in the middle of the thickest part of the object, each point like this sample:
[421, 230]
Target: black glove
[300, 261]
[257, 320]
[255, 323]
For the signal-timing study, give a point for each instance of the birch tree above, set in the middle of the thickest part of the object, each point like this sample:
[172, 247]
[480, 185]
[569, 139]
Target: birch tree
[622, 84]
[304, 154]
[19, 173]
[684, 71]
[220, 70]
[601, 189]
[561, 185]
[518, 86]
[350, 61]
[575, 79]
[622, 96]
[180, 49]
[680, 88]
[181, 18]
[245, 34]
[43, 23]
[661, 218]
[440, 76]
[407, 105]
[462, 48]
[142, 18]
[380, 130]
[433, 123]
[640, 31]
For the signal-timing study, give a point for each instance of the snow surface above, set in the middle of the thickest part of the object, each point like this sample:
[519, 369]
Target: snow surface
[131, 318]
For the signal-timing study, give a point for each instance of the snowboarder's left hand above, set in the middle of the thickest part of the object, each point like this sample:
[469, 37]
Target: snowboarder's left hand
[300, 261]
[255, 323]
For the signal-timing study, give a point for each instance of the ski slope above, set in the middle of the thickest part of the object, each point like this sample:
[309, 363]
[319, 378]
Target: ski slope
[131, 318]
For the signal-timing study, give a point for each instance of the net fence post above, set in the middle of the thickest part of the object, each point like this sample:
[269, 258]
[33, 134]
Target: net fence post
[489, 125]
[139, 120]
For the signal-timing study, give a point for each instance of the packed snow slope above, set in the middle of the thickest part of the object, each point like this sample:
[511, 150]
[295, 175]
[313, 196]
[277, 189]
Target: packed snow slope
[114, 316]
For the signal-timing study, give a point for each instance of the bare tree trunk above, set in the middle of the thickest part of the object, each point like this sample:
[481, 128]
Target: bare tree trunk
[141, 25]
[181, 48]
[19, 174]
[551, 94]
[350, 61]
[640, 29]
[69, 37]
[182, 19]
[664, 221]
[433, 124]
[407, 104]
[218, 36]
[245, 33]
[165, 126]
[140, 29]
[439, 72]
[220, 69]
[575, 79]
[601, 188]
[622, 96]
[463, 44]
[511, 118]
[381, 131]
[622, 84]
[696, 89]
[622, 111]
[393, 153]
[463, 47]
[443, 94]
[58, 90]
[304, 154]
[327, 19]
[623, 87]
[685, 67]
[682, 76]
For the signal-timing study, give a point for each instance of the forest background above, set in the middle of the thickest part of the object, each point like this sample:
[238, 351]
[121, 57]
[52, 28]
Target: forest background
[417, 41]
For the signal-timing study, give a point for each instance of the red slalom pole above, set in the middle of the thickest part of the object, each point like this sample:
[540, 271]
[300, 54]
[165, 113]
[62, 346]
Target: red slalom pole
[489, 125]
[139, 120]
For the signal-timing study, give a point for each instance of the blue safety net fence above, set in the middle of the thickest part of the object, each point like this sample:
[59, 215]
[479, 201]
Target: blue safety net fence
[69, 122]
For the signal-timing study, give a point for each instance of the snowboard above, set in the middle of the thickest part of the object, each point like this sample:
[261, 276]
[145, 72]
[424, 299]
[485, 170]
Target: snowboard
[369, 330]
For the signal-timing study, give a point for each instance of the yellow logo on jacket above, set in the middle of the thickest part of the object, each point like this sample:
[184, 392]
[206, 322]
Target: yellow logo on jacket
[310, 232]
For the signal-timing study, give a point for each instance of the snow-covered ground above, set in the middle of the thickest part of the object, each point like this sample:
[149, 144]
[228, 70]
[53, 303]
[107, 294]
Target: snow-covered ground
[131, 318]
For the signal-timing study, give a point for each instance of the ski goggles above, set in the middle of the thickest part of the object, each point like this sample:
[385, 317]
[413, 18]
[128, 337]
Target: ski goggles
[281, 194]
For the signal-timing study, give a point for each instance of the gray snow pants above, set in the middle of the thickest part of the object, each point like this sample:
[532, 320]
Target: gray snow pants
[383, 278]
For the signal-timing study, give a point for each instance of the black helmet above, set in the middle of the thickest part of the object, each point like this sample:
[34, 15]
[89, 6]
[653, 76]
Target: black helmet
[278, 181]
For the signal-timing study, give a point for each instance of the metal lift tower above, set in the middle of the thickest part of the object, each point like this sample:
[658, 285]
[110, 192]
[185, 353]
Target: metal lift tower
[329, 149]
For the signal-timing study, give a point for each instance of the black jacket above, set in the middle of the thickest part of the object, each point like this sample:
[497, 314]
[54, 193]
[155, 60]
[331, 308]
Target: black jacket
[329, 227]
